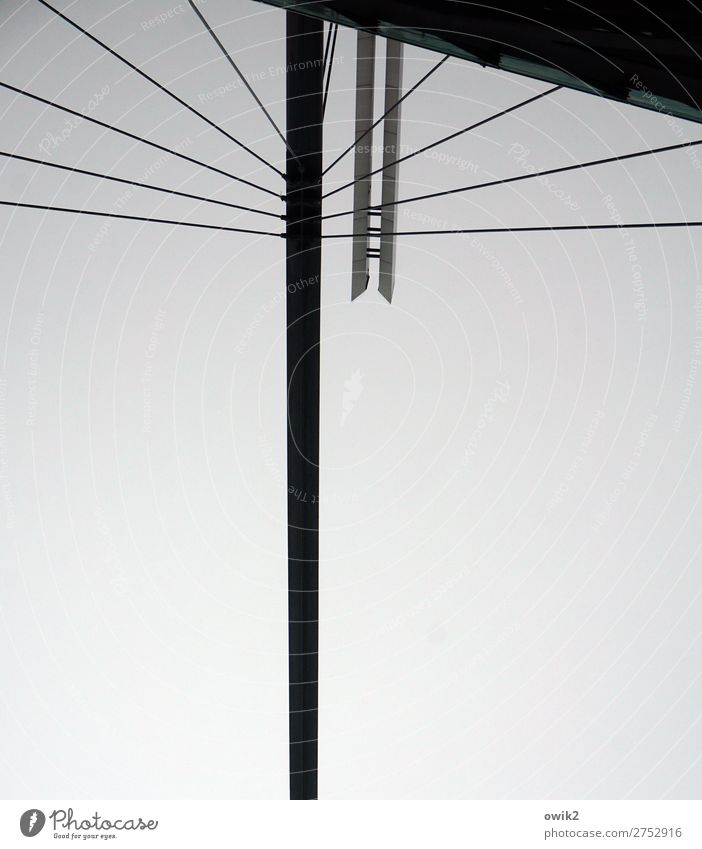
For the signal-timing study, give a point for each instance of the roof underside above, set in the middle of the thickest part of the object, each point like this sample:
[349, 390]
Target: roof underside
[617, 49]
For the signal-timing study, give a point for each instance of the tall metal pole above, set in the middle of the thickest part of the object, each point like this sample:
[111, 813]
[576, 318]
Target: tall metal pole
[304, 92]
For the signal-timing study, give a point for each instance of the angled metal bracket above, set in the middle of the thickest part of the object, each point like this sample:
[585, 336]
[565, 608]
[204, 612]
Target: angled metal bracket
[391, 153]
[363, 159]
[363, 166]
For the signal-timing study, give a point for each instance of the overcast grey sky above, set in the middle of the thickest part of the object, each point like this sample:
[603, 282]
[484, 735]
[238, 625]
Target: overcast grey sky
[510, 506]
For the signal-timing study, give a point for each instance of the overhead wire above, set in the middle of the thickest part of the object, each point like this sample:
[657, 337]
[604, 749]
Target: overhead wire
[535, 229]
[145, 219]
[419, 82]
[328, 67]
[125, 181]
[532, 175]
[450, 137]
[241, 76]
[160, 86]
[135, 137]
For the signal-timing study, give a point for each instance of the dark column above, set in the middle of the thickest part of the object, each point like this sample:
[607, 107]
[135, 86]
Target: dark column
[304, 81]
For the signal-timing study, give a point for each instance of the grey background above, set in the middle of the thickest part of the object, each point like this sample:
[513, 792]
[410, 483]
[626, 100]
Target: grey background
[510, 555]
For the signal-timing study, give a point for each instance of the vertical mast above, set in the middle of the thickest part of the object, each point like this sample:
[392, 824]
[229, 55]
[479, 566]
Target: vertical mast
[304, 94]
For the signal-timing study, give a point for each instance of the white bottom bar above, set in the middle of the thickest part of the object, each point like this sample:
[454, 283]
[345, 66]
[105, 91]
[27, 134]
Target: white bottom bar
[483, 825]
